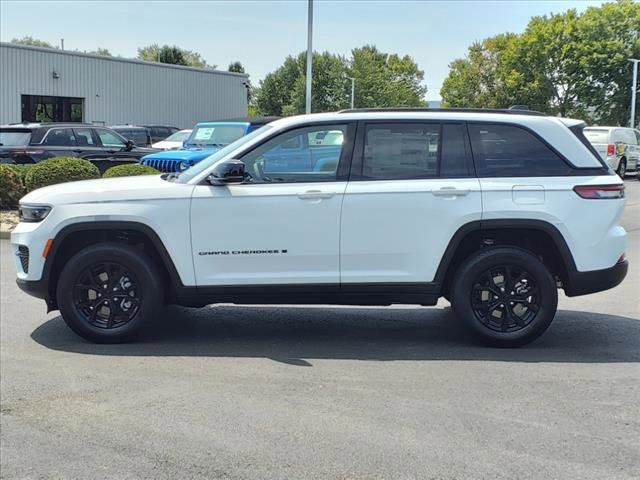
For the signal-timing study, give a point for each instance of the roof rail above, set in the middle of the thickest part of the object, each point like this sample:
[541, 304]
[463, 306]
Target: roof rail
[511, 111]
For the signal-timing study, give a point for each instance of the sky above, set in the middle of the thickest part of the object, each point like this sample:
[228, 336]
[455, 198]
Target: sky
[260, 34]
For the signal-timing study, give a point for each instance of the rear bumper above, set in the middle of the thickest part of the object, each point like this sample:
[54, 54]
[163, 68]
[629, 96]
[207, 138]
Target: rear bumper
[584, 283]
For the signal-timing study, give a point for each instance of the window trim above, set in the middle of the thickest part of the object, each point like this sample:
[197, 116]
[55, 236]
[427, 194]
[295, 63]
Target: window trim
[346, 154]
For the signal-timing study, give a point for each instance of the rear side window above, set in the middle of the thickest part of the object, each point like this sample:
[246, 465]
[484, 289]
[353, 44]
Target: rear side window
[456, 153]
[510, 151]
[400, 151]
[60, 137]
[14, 138]
[626, 136]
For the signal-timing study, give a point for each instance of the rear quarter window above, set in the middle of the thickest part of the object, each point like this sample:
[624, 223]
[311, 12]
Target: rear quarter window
[512, 151]
[14, 138]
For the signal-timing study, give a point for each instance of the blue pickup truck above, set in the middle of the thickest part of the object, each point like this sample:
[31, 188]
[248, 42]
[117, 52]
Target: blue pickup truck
[205, 139]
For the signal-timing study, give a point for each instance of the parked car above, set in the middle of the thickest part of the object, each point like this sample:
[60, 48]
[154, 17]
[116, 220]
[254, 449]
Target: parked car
[484, 208]
[618, 146]
[174, 141]
[160, 132]
[34, 142]
[205, 139]
[138, 135]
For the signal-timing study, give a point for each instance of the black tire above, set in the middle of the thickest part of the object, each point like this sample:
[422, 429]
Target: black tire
[107, 292]
[510, 314]
[622, 168]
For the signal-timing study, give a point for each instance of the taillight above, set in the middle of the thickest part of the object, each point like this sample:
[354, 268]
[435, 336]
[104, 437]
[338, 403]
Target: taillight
[600, 191]
[26, 151]
[611, 149]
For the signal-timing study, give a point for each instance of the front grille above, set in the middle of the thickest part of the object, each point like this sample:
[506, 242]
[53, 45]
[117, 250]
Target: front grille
[23, 255]
[162, 164]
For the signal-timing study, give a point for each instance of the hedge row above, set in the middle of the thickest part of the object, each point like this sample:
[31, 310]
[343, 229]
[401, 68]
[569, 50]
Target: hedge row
[17, 180]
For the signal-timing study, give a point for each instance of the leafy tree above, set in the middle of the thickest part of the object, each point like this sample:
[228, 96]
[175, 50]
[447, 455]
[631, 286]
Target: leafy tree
[381, 80]
[569, 64]
[33, 42]
[103, 51]
[236, 67]
[173, 55]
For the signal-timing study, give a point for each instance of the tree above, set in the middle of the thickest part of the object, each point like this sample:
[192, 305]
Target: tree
[381, 80]
[236, 67]
[33, 42]
[568, 64]
[102, 51]
[173, 55]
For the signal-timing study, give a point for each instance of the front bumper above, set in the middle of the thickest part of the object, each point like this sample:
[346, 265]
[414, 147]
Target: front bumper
[584, 283]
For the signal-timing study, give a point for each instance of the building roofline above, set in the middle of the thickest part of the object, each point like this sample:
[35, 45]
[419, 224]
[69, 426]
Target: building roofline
[120, 59]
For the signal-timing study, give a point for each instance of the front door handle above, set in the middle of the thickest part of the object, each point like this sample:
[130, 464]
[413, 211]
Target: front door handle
[315, 195]
[450, 192]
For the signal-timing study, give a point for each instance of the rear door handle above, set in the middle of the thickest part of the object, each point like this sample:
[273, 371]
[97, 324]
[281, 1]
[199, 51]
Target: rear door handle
[450, 192]
[315, 195]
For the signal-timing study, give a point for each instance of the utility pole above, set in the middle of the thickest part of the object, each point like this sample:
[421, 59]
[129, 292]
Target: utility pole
[353, 91]
[62, 44]
[634, 87]
[309, 55]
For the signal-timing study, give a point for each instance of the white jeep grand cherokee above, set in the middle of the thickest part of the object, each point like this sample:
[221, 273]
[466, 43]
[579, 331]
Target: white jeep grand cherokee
[493, 210]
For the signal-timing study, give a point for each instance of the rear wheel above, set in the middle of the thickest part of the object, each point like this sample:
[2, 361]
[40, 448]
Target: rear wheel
[506, 295]
[622, 168]
[108, 291]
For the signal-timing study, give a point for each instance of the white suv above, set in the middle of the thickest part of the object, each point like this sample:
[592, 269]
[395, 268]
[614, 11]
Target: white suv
[493, 210]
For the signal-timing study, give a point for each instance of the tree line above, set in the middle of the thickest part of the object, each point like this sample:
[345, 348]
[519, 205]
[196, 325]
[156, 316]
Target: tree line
[568, 64]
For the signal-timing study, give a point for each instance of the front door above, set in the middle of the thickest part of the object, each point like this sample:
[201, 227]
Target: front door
[281, 226]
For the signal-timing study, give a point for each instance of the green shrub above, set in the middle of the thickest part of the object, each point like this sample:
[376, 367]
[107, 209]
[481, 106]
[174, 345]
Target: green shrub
[130, 170]
[11, 187]
[59, 170]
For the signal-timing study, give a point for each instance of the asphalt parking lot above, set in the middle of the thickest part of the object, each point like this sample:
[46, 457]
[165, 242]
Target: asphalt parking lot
[350, 393]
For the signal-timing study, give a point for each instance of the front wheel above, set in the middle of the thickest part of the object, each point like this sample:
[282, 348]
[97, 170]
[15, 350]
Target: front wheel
[108, 291]
[506, 295]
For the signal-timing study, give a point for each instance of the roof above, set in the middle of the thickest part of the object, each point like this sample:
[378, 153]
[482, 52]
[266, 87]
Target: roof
[56, 51]
[47, 125]
[510, 111]
[261, 120]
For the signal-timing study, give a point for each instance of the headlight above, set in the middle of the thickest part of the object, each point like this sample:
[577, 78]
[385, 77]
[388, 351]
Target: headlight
[33, 213]
[183, 165]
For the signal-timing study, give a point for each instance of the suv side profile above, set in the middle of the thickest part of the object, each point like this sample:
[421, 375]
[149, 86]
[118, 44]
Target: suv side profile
[484, 208]
[34, 142]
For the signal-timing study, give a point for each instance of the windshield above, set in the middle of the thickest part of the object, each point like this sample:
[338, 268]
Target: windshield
[14, 138]
[213, 135]
[178, 136]
[599, 135]
[199, 167]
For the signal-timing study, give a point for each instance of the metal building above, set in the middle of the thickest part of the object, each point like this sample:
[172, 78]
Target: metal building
[43, 84]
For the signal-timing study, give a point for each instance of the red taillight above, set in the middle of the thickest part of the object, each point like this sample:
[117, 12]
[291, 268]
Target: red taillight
[600, 191]
[611, 149]
[26, 151]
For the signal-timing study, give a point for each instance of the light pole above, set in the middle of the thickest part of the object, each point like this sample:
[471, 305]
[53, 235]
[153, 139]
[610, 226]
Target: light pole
[634, 87]
[353, 90]
[309, 55]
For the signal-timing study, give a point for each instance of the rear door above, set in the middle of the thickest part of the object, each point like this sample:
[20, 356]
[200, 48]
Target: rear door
[411, 188]
[87, 144]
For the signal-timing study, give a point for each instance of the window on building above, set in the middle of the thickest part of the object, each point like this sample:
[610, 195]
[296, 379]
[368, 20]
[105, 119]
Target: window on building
[44, 109]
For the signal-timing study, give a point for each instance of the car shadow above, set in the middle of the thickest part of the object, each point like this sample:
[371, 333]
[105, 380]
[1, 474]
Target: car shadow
[297, 335]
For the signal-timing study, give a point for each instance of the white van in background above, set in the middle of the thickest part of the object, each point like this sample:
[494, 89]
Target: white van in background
[618, 146]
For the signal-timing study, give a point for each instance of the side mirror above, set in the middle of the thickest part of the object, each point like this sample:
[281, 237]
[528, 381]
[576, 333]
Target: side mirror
[129, 145]
[226, 173]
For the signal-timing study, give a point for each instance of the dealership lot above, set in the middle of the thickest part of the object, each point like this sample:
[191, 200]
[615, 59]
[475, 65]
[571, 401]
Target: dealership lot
[294, 392]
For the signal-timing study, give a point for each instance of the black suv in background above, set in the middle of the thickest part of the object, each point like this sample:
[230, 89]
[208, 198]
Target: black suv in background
[160, 132]
[138, 135]
[34, 142]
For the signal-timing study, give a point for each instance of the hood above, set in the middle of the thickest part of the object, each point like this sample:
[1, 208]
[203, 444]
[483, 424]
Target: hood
[165, 145]
[107, 190]
[192, 155]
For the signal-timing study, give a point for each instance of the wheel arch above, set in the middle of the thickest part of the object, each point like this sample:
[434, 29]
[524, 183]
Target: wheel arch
[82, 234]
[536, 236]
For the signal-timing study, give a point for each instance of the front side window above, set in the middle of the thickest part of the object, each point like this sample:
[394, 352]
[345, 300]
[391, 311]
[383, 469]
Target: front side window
[291, 158]
[110, 139]
[400, 151]
[510, 151]
[60, 137]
